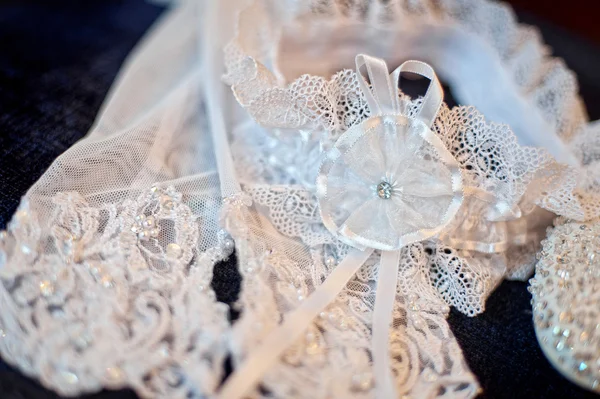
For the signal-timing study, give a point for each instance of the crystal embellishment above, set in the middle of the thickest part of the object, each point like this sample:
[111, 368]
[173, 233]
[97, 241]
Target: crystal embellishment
[384, 190]
[565, 297]
[421, 176]
[145, 227]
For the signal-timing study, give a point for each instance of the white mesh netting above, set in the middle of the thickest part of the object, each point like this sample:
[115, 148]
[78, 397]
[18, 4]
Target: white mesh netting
[105, 270]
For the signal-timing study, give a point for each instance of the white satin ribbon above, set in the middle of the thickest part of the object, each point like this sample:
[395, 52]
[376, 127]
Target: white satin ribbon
[382, 97]
[283, 336]
[385, 296]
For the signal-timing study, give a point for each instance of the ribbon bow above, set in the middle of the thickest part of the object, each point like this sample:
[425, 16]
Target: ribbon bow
[386, 183]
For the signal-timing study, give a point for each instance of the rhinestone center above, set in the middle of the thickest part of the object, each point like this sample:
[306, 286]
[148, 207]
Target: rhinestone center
[384, 190]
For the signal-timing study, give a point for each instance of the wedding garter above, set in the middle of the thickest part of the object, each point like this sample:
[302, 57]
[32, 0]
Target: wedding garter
[105, 269]
[331, 157]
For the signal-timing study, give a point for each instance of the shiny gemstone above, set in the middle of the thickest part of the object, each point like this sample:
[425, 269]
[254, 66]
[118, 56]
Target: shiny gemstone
[229, 243]
[148, 222]
[429, 375]
[313, 348]
[384, 190]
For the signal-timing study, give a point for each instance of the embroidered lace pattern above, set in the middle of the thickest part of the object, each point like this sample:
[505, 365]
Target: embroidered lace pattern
[104, 280]
[425, 357]
[102, 298]
[285, 251]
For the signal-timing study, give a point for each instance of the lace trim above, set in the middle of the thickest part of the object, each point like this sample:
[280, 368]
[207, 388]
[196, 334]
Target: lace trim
[425, 357]
[312, 102]
[113, 296]
[489, 153]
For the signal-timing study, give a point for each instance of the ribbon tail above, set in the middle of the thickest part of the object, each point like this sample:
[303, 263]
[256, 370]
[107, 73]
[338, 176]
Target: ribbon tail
[250, 373]
[385, 297]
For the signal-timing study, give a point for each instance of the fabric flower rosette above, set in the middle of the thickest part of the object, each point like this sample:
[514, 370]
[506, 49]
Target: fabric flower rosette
[388, 182]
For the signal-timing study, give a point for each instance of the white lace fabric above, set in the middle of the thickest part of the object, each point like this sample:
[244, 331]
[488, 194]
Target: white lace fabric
[278, 162]
[105, 270]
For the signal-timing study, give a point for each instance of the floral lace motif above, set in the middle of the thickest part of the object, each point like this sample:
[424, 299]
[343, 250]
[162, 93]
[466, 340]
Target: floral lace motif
[425, 357]
[113, 296]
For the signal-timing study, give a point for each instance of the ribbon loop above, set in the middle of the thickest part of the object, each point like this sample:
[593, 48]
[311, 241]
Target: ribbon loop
[432, 101]
[382, 96]
[383, 99]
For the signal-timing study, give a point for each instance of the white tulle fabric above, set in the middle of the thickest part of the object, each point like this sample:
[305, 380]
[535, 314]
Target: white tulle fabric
[105, 270]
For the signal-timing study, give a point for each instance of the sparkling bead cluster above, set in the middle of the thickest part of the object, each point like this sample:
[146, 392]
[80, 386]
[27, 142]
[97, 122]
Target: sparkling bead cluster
[566, 294]
[145, 227]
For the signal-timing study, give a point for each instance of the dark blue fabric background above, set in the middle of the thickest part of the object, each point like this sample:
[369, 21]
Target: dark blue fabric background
[57, 63]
